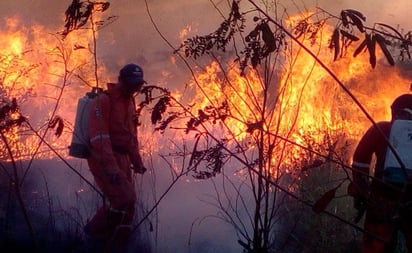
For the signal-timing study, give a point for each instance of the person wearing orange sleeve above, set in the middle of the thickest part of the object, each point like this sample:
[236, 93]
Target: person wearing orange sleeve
[385, 200]
[114, 154]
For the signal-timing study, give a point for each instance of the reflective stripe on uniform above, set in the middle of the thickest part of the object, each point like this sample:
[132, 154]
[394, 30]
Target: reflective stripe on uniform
[360, 165]
[117, 211]
[99, 137]
[408, 110]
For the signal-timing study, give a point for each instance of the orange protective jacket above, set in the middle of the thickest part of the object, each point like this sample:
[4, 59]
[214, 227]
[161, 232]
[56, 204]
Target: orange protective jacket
[112, 127]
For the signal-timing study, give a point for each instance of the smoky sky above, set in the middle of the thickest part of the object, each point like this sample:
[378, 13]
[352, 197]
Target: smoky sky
[171, 16]
[133, 38]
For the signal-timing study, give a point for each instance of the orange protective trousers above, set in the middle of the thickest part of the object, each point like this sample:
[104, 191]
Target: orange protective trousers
[121, 196]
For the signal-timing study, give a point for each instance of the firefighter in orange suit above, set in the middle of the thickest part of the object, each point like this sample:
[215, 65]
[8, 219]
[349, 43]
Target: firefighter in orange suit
[115, 153]
[386, 201]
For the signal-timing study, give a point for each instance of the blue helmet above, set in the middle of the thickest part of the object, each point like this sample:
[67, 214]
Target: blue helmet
[132, 74]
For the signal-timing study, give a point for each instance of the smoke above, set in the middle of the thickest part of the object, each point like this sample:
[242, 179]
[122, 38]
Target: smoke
[59, 203]
[132, 38]
[186, 222]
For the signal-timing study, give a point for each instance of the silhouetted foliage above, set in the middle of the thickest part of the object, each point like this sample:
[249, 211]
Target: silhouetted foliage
[263, 40]
[165, 123]
[311, 28]
[260, 42]
[10, 116]
[80, 12]
[219, 39]
[208, 114]
[382, 34]
[213, 157]
[251, 127]
[352, 17]
[407, 41]
[324, 201]
[57, 122]
[160, 107]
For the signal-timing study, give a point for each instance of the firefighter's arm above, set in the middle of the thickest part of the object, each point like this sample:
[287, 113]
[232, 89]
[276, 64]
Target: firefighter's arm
[359, 187]
[361, 165]
[101, 146]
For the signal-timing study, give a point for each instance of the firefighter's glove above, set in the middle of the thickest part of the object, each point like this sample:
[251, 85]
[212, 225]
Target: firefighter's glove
[137, 164]
[114, 178]
[138, 168]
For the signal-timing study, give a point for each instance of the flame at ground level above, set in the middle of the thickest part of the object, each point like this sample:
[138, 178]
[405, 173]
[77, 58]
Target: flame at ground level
[299, 99]
[37, 68]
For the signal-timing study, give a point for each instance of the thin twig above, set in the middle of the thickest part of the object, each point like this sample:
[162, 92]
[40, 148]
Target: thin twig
[65, 162]
[15, 183]
[161, 197]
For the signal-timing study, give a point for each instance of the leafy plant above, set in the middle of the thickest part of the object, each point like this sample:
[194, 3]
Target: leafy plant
[79, 13]
[10, 116]
[58, 123]
[260, 42]
[219, 39]
[382, 34]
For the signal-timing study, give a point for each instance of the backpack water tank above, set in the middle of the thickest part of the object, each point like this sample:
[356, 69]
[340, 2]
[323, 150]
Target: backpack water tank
[80, 146]
[401, 140]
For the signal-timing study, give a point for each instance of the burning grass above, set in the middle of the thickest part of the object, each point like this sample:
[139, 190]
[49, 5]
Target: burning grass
[281, 123]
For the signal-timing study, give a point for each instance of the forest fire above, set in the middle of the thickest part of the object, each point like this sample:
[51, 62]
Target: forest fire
[299, 100]
[301, 103]
[248, 108]
[36, 68]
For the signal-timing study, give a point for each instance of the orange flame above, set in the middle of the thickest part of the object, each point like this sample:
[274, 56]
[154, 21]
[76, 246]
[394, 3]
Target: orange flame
[304, 100]
[302, 97]
[35, 67]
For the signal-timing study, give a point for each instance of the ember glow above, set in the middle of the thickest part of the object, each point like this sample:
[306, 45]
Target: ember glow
[302, 99]
[37, 68]
[315, 102]
[295, 100]
[242, 95]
